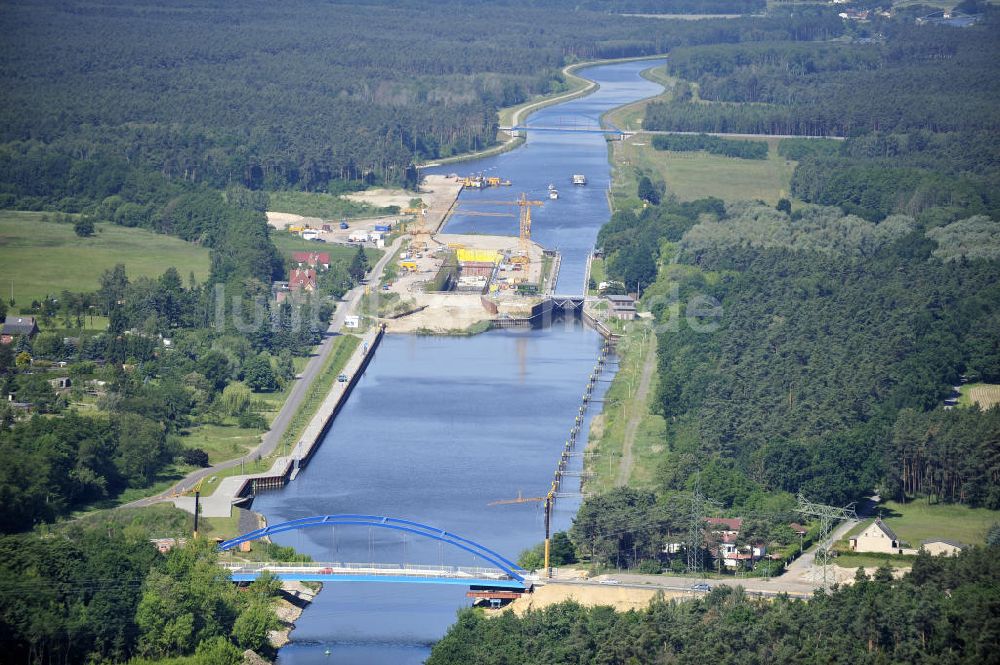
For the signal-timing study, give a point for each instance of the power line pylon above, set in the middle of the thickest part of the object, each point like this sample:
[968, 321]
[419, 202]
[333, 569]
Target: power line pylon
[696, 528]
[827, 516]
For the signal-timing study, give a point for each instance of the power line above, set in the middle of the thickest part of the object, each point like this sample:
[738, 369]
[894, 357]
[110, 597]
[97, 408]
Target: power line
[827, 516]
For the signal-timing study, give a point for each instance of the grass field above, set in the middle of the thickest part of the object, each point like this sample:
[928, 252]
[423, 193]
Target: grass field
[854, 560]
[286, 243]
[597, 273]
[692, 175]
[344, 346]
[986, 395]
[318, 204]
[916, 521]
[46, 258]
[608, 429]
[695, 175]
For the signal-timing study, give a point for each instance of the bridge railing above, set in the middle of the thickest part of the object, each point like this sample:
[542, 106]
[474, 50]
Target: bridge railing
[345, 568]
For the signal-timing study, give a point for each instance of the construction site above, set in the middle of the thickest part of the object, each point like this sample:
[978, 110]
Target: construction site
[445, 283]
[441, 282]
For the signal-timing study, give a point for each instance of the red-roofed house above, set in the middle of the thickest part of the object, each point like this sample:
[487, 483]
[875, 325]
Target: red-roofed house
[302, 279]
[312, 259]
[725, 524]
[726, 531]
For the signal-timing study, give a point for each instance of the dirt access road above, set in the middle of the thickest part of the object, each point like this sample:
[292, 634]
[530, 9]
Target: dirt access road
[641, 401]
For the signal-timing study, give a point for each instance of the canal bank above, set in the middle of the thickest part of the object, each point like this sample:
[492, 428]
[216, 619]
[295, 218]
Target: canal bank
[443, 430]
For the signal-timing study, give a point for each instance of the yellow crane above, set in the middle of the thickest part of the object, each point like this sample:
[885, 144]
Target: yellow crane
[421, 235]
[525, 226]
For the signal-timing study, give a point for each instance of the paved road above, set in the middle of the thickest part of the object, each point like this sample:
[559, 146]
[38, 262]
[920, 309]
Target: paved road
[753, 585]
[666, 132]
[273, 436]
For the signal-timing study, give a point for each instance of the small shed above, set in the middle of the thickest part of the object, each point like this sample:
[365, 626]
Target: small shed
[939, 546]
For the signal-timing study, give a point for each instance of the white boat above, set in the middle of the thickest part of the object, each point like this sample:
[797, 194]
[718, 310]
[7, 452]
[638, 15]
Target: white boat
[551, 187]
[579, 179]
[553, 194]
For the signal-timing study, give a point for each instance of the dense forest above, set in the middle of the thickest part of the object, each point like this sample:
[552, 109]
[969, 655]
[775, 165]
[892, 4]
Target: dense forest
[917, 103]
[915, 78]
[102, 593]
[941, 612]
[840, 330]
[829, 326]
[289, 97]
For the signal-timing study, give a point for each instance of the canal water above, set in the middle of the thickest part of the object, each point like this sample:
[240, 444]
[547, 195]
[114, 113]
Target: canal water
[440, 427]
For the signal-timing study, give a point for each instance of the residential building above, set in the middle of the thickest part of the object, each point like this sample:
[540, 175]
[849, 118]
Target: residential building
[877, 537]
[622, 307]
[315, 260]
[17, 326]
[302, 279]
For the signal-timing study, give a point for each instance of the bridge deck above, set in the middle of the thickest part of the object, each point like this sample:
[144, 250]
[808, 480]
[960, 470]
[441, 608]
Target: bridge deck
[375, 572]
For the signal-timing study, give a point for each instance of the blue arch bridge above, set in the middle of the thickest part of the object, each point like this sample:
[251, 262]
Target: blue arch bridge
[497, 574]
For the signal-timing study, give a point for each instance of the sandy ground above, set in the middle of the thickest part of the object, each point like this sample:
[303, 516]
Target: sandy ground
[445, 312]
[439, 193]
[381, 198]
[449, 312]
[845, 576]
[281, 220]
[618, 597]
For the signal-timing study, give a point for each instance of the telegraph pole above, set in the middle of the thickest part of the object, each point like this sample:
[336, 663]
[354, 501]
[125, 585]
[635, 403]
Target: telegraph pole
[827, 516]
[197, 505]
[548, 522]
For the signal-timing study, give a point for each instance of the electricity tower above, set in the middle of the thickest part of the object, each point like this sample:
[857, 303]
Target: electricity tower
[700, 505]
[827, 516]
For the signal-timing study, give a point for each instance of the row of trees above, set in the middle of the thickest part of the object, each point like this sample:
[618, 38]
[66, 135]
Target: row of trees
[712, 144]
[951, 455]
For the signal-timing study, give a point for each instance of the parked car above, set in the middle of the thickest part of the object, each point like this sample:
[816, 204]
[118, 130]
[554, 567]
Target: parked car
[342, 378]
[609, 581]
[701, 586]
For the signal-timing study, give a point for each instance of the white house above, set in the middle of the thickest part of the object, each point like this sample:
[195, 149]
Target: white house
[877, 537]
